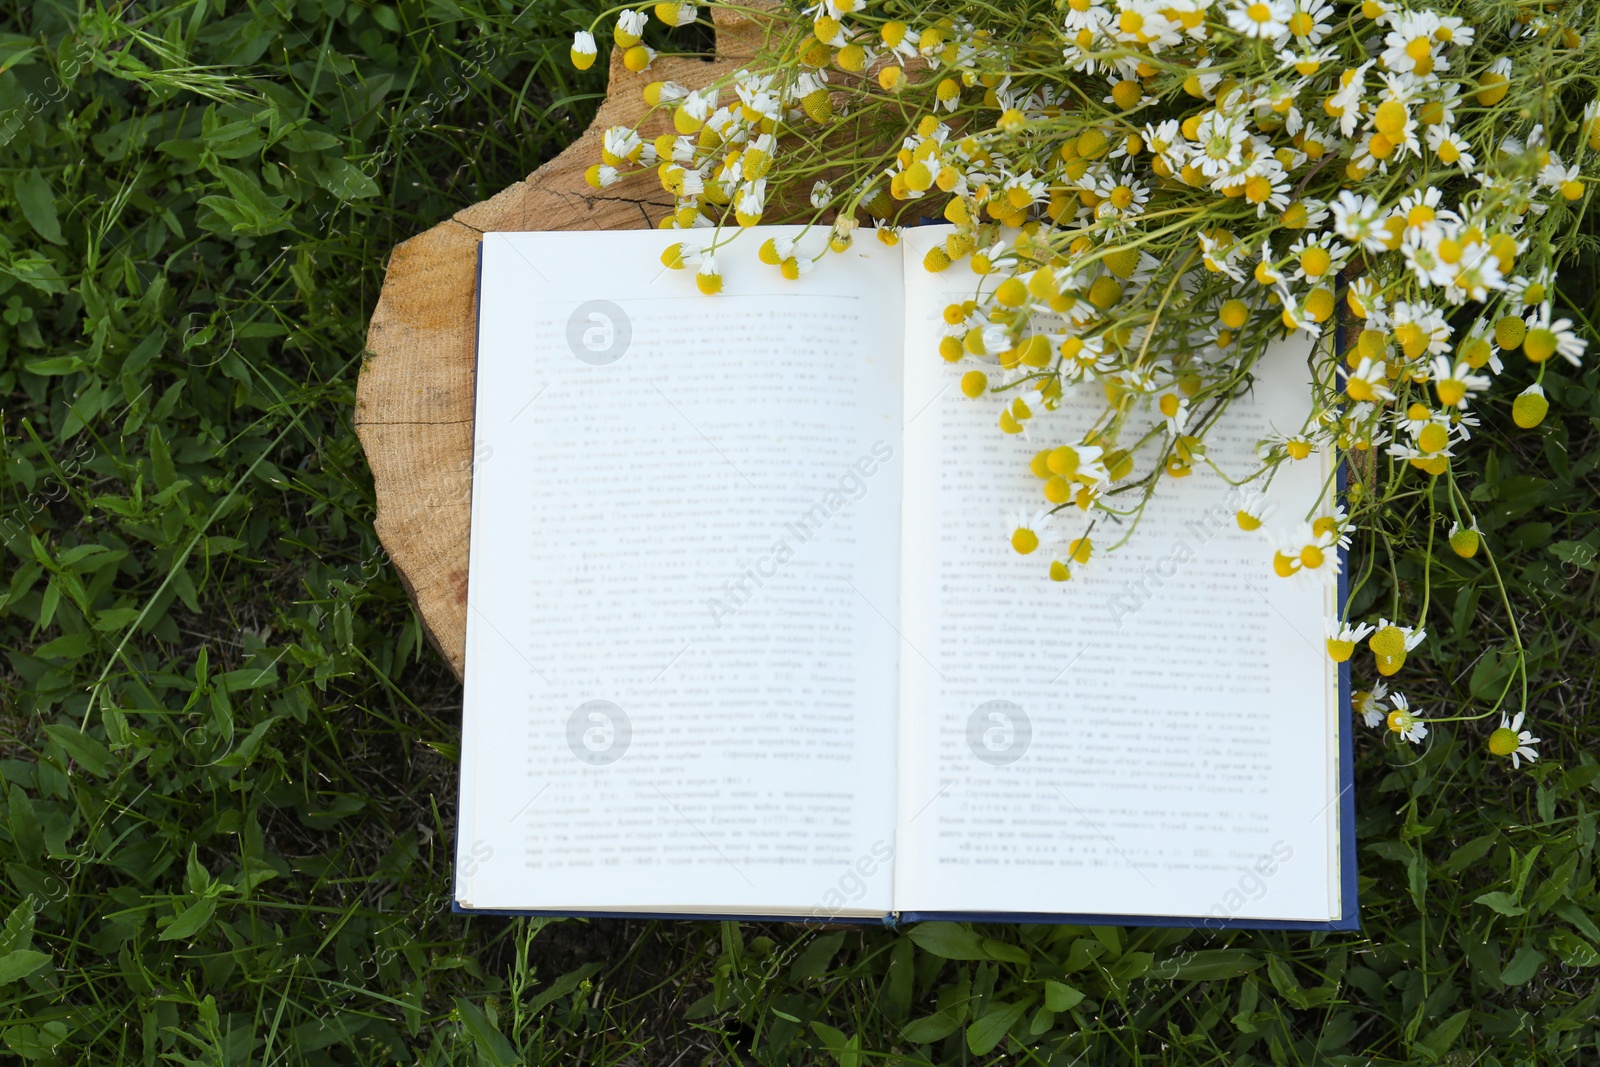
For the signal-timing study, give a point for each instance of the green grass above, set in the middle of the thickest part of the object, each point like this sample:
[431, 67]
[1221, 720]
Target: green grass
[228, 752]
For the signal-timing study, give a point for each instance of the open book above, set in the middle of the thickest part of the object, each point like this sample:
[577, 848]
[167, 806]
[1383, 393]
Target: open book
[746, 635]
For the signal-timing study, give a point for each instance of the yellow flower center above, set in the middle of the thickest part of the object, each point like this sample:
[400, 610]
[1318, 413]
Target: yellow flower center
[1319, 304]
[1412, 339]
[1391, 118]
[1503, 742]
[1539, 345]
[1315, 261]
[1389, 641]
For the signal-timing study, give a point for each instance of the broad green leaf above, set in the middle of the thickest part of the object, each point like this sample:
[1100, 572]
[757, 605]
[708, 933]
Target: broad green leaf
[846, 1051]
[85, 751]
[898, 983]
[559, 988]
[1058, 996]
[1523, 966]
[19, 963]
[347, 181]
[37, 198]
[25, 832]
[1469, 853]
[1131, 965]
[989, 1031]
[814, 961]
[1208, 965]
[67, 646]
[492, 1046]
[1573, 950]
[1575, 915]
[246, 750]
[192, 919]
[1283, 980]
[1438, 1041]
[36, 270]
[999, 950]
[55, 365]
[929, 1028]
[950, 941]
[1500, 901]
[18, 930]
[1083, 952]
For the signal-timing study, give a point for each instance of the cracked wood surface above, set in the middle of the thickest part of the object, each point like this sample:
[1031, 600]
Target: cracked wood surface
[414, 397]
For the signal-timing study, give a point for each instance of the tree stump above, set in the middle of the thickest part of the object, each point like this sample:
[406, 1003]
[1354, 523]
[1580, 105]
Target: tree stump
[414, 397]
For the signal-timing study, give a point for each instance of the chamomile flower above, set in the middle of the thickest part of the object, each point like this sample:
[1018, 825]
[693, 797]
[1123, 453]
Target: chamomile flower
[1368, 381]
[1342, 638]
[677, 14]
[1368, 703]
[1465, 540]
[1420, 328]
[1255, 508]
[1410, 46]
[1261, 19]
[1220, 255]
[583, 50]
[1318, 256]
[1359, 218]
[1309, 23]
[1028, 531]
[1548, 337]
[1345, 103]
[1511, 740]
[1454, 383]
[1306, 553]
[1220, 140]
[1267, 272]
[1334, 524]
[1122, 196]
[1391, 643]
[630, 27]
[1403, 721]
[1451, 148]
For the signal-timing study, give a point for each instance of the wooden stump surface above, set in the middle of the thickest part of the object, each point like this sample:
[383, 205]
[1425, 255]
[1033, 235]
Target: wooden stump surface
[414, 397]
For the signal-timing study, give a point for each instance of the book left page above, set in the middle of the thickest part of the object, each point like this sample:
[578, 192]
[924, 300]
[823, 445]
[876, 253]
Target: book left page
[680, 689]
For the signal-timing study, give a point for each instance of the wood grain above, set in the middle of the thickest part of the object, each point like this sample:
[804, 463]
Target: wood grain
[414, 397]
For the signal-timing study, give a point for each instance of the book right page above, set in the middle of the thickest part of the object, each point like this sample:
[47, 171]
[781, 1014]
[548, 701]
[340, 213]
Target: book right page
[1156, 736]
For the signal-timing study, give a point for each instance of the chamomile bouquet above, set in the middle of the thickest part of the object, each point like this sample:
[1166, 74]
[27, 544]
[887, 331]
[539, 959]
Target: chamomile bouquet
[1152, 192]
